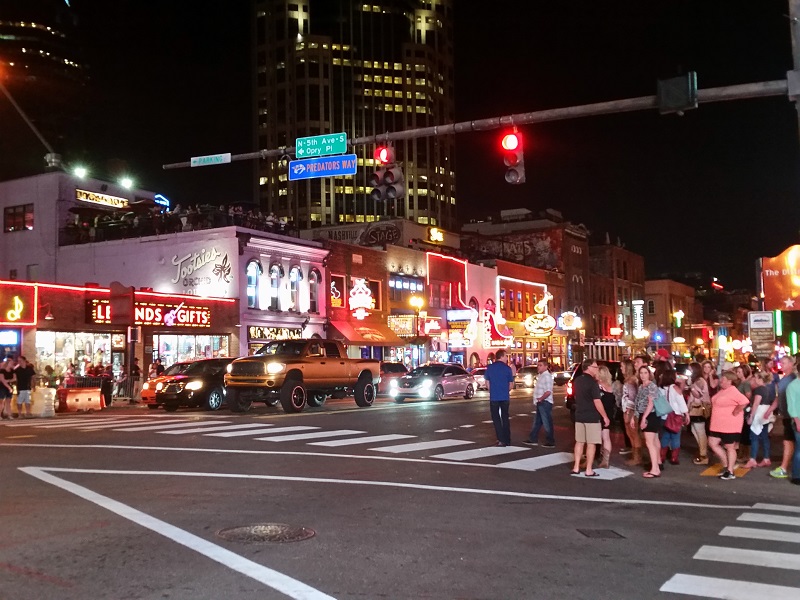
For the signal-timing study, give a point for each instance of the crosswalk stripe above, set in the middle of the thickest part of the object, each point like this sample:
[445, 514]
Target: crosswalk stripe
[727, 589]
[227, 434]
[418, 446]
[309, 436]
[363, 440]
[116, 424]
[535, 463]
[441, 431]
[761, 534]
[215, 428]
[479, 453]
[776, 507]
[771, 519]
[184, 424]
[753, 558]
[79, 423]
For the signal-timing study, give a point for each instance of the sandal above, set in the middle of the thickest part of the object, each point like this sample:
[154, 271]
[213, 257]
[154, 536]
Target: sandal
[575, 472]
[649, 475]
[595, 474]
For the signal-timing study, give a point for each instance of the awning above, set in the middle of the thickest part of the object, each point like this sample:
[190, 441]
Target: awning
[366, 334]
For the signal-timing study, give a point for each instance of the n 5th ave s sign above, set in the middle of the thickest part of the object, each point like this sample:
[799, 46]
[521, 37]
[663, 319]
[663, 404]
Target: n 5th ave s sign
[333, 166]
[321, 145]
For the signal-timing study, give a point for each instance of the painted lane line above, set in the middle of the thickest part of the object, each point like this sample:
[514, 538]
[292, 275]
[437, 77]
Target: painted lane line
[171, 426]
[227, 434]
[727, 589]
[771, 535]
[771, 519]
[487, 421]
[419, 446]
[753, 558]
[77, 424]
[479, 453]
[278, 581]
[777, 507]
[215, 428]
[363, 440]
[539, 462]
[309, 436]
[118, 424]
[467, 426]
[442, 431]
[525, 414]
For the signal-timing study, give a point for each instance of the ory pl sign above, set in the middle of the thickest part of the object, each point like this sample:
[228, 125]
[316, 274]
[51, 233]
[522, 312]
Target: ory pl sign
[327, 144]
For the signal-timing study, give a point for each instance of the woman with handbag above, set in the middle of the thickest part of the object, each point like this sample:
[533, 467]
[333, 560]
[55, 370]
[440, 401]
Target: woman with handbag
[649, 421]
[727, 416]
[699, 403]
[673, 425]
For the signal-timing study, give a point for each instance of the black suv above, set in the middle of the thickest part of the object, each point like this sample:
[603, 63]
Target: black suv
[613, 366]
[196, 383]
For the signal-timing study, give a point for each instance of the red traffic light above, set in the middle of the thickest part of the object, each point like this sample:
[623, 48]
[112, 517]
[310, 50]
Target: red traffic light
[384, 155]
[511, 141]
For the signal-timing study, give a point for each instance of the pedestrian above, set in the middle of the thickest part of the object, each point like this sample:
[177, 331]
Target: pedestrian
[159, 368]
[699, 403]
[758, 420]
[743, 374]
[107, 384]
[136, 379]
[609, 404]
[780, 404]
[670, 439]
[793, 412]
[629, 389]
[649, 421]
[588, 414]
[6, 389]
[618, 388]
[543, 402]
[500, 382]
[710, 375]
[24, 373]
[727, 416]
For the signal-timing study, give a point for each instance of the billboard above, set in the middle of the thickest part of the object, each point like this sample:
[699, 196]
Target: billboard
[780, 279]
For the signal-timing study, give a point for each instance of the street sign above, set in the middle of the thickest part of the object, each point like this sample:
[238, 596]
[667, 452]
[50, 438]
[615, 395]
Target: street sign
[211, 159]
[761, 328]
[327, 144]
[332, 166]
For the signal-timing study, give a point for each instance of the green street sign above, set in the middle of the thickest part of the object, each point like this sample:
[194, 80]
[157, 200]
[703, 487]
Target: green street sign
[326, 144]
[211, 159]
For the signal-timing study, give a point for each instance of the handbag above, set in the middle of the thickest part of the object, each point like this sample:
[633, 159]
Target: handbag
[661, 404]
[674, 422]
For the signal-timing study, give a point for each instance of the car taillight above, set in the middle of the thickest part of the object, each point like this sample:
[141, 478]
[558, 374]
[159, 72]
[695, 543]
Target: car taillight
[569, 388]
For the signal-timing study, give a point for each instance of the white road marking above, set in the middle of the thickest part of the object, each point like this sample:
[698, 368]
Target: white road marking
[419, 446]
[184, 424]
[278, 581]
[310, 436]
[777, 507]
[727, 589]
[466, 426]
[215, 428]
[117, 424]
[752, 558]
[761, 534]
[441, 431]
[525, 414]
[227, 434]
[535, 463]
[363, 440]
[479, 453]
[771, 519]
[86, 423]
[487, 421]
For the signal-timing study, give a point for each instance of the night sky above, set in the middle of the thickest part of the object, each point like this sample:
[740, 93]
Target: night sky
[709, 191]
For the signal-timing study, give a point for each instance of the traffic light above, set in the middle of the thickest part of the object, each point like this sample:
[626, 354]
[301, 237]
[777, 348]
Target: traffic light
[387, 179]
[513, 157]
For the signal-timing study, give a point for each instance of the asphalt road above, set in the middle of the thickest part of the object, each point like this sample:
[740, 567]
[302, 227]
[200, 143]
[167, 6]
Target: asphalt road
[406, 501]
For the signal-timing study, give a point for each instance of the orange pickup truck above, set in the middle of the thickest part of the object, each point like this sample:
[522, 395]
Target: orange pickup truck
[297, 373]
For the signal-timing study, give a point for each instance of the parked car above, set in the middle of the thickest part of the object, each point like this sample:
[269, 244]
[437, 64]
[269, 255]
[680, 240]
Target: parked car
[479, 375]
[195, 383]
[526, 377]
[562, 377]
[435, 381]
[612, 365]
[389, 371]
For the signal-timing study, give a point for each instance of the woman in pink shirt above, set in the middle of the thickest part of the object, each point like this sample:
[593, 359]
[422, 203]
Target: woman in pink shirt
[727, 418]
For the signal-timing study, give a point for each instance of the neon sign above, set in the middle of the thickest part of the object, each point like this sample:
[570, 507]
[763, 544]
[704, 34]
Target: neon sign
[18, 304]
[155, 314]
[102, 199]
[361, 300]
[540, 325]
[569, 321]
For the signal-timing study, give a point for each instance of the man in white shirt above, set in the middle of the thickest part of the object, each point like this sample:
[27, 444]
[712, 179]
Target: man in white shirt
[543, 400]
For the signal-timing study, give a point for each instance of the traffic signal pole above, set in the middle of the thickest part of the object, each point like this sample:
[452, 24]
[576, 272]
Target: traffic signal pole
[793, 77]
[762, 89]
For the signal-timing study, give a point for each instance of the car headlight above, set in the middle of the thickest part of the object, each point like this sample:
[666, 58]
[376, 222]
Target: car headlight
[393, 383]
[229, 368]
[146, 386]
[528, 378]
[426, 383]
[273, 368]
[194, 385]
[159, 386]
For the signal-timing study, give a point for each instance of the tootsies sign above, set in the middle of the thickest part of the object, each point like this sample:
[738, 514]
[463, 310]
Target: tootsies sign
[159, 314]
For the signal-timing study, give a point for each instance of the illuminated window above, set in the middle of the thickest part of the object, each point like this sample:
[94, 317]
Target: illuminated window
[262, 181]
[422, 220]
[314, 279]
[275, 276]
[253, 275]
[18, 218]
[295, 277]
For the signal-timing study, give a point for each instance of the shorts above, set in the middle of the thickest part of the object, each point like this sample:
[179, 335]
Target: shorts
[24, 397]
[588, 433]
[725, 438]
[654, 423]
[788, 430]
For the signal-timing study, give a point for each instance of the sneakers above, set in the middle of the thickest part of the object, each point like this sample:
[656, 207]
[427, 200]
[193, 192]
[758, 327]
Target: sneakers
[701, 460]
[625, 451]
[765, 463]
[779, 473]
[530, 443]
[751, 464]
[547, 445]
[727, 475]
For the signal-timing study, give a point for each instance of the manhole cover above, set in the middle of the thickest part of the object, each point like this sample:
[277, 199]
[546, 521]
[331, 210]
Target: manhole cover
[266, 532]
[608, 534]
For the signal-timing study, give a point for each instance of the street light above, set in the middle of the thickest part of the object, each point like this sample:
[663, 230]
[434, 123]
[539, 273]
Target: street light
[416, 302]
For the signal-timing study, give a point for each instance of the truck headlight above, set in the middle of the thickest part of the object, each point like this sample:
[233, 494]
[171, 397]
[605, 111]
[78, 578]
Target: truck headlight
[273, 368]
[194, 385]
[229, 368]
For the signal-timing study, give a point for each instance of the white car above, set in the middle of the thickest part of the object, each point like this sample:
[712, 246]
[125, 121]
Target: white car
[435, 382]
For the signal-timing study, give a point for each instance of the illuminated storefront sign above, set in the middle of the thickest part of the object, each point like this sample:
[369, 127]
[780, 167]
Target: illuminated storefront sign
[102, 199]
[780, 278]
[569, 321]
[402, 325]
[540, 325]
[256, 332]
[492, 338]
[154, 314]
[361, 301]
[435, 235]
[18, 304]
[337, 287]
[431, 326]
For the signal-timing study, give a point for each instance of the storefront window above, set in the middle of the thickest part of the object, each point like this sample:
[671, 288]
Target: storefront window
[275, 276]
[295, 277]
[58, 349]
[179, 348]
[253, 277]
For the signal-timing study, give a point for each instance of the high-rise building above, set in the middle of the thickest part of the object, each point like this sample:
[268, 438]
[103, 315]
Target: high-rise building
[41, 67]
[329, 66]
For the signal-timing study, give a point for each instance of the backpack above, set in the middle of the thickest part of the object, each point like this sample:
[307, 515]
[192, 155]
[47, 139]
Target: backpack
[661, 404]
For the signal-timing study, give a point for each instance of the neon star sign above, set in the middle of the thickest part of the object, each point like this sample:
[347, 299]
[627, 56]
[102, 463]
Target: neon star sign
[361, 301]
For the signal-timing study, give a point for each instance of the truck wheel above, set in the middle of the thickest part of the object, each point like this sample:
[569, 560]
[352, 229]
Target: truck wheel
[316, 399]
[364, 392]
[215, 399]
[469, 393]
[272, 401]
[293, 396]
[236, 403]
[438, 393]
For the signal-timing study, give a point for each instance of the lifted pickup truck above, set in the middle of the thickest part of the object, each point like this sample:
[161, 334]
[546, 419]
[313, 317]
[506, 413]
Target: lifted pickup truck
[299, 372]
